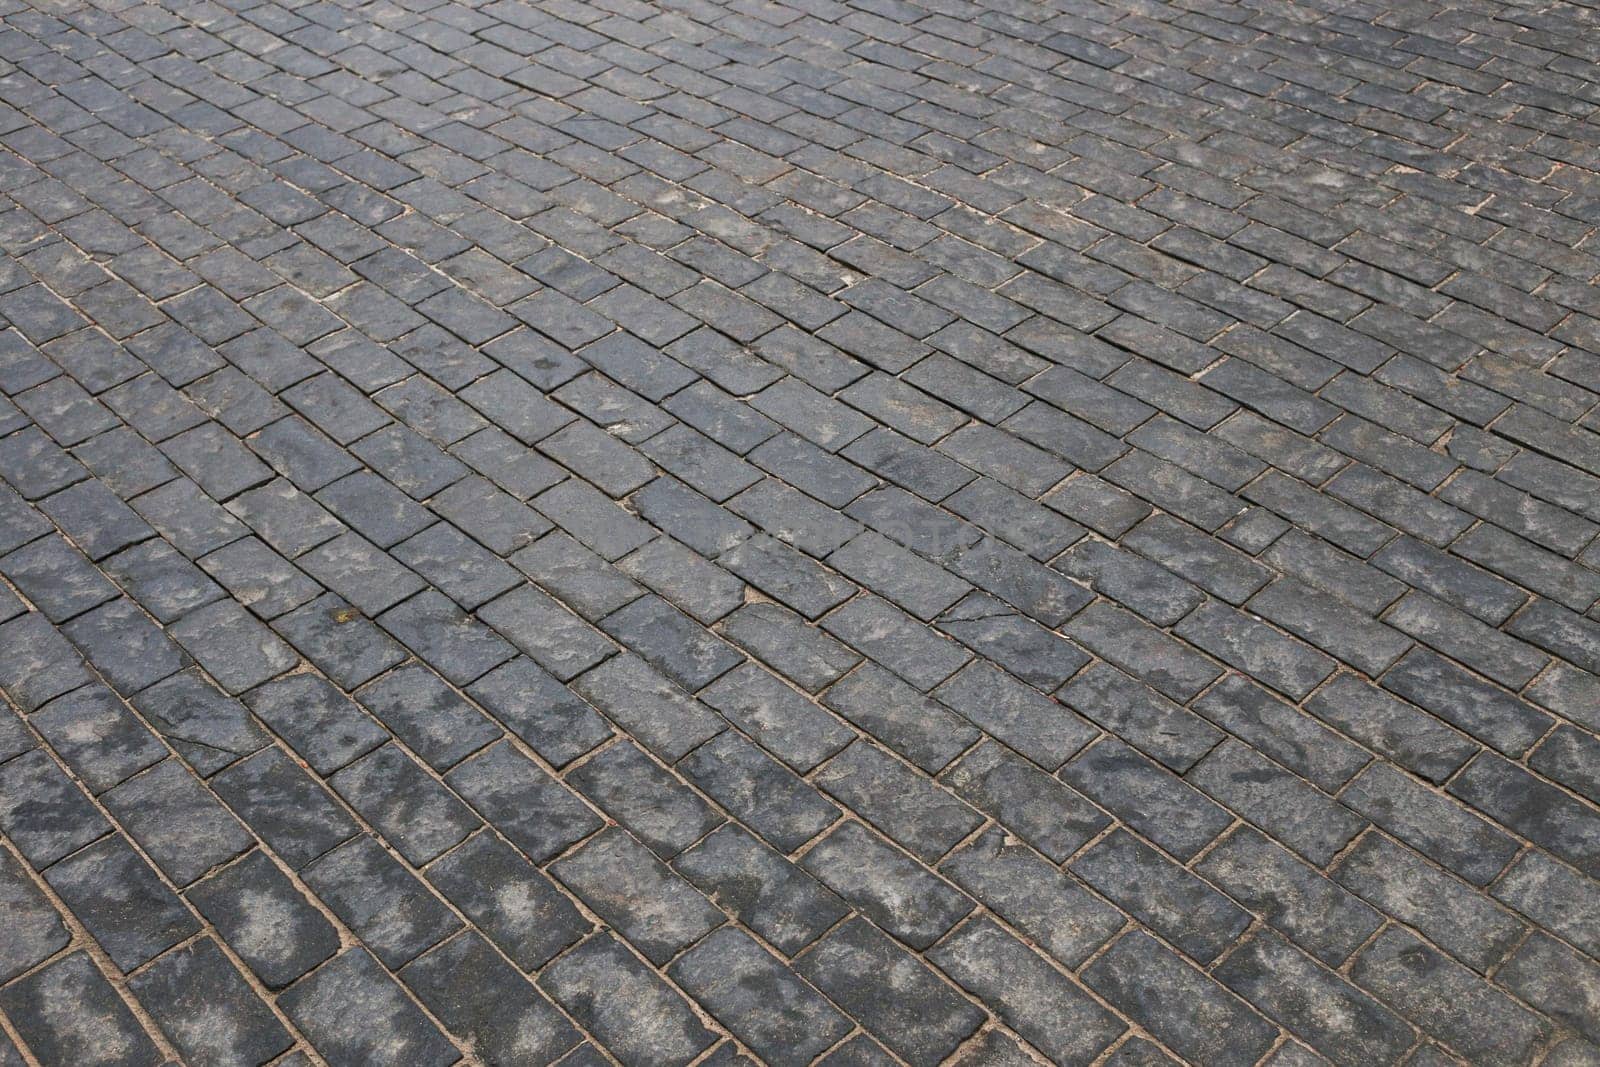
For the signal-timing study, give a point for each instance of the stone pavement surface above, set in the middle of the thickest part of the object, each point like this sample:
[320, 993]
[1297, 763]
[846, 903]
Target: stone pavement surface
[889, 531]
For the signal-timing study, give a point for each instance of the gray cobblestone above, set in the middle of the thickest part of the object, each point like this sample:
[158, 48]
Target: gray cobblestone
[518, 466]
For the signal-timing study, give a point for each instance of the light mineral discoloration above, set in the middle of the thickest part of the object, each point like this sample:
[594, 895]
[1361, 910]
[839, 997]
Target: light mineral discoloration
[824, 531]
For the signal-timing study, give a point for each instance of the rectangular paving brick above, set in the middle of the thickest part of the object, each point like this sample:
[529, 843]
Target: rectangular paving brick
[774, 481]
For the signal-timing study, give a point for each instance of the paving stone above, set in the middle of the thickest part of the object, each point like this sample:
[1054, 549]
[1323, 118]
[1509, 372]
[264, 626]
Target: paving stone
[516, 906]
[205, 1008]
[1391, 727]
[1360, 642]
[529, 807]
[673, 1033]
[1431, 823]
[780, 719]
[1458, 920]
[481, 999]
[896, 714]
[56, 577]
[1138, 648]
[663, 717]
[1334, 1017]
[758, 790]
[353, 1012]
[387, 907]
[96, 736]
[769, 894]
[68, 1011]
[1036, 727]
[284, 806]
[1150, 799]
[1445, 999]
[787, 576]
[339, 641]
[1303, 818]
[1289, 737]
[1151, 590]
[912, 812]
[234, 648]
[38, 931]
[758, 998]
[690, 360]
[1256, 649]
[1160, 894]
[671, 642]
[1533, 808]
[1036, 655]
[446, 638]
[319, 722]
[177, 822]
[1055, 1015]
[892, 993]
[43, 812]
[1169, 734]
[1556, 980]
[1184, 1008]
[122, 902]
[641, 898]
[1306, 907]
[919, 587]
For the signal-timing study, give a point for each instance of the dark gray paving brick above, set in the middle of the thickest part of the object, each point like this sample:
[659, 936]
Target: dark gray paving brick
[766, 892]
[482, 1000]
[999, 438]
[264, 918]
[122, 902]
[1193, 916]
[1149, 798]
[206, 1009]
[44, 813]
[178, 823]
[641, 898]
[758, 998]
[1185, 1009]
[353, 1012]
[893, 994]
[1306, 907]
[524, 803]
[67, 1011]
[1447, 1000]
[1334, 1017]
[633, 992]
[1054, 1014]
[38, 930]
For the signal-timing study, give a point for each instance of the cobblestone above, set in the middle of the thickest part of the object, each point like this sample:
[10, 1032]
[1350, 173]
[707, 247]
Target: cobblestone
[819, 531]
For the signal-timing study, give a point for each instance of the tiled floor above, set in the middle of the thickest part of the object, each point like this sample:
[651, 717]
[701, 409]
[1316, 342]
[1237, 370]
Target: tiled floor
[863, 533]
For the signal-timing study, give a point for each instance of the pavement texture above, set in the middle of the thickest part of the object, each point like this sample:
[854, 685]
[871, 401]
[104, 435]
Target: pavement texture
[851, 533]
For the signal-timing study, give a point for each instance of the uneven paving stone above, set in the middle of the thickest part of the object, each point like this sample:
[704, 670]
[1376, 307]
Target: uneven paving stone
[773, 480]
[502, 894]
[260, 914]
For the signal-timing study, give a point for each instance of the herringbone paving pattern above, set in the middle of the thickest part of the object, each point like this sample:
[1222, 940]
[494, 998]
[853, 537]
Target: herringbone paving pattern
[889, 531]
